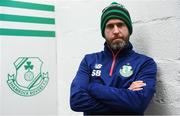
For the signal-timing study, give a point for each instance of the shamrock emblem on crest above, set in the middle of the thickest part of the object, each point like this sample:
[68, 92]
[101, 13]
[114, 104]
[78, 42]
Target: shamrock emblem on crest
[29, 75]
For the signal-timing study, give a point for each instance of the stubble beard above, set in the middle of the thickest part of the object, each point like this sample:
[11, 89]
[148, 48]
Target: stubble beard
[118, 44]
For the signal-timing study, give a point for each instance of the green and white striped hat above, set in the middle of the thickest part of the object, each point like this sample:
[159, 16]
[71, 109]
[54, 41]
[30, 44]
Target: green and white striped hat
[115, 11]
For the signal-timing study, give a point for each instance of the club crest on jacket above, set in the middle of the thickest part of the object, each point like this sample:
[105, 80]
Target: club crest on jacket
[126, 70]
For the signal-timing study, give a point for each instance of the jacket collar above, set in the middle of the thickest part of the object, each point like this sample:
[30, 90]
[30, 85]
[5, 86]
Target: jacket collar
[122, 52]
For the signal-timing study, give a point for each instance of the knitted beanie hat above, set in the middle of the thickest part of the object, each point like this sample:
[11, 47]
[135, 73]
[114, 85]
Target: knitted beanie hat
[115, 11]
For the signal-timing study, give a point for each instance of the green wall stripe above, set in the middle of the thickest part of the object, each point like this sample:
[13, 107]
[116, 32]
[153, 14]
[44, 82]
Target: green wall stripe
[18, 18]
[19, 32]
[26, 5]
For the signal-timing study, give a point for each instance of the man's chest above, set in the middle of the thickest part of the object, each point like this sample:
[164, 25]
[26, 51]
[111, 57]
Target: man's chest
[122, 73]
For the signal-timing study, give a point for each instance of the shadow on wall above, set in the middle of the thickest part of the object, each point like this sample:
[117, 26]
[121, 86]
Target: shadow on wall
[158, 105]
[142, 42]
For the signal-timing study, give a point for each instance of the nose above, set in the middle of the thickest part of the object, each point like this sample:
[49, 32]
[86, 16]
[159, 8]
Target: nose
[115, 29]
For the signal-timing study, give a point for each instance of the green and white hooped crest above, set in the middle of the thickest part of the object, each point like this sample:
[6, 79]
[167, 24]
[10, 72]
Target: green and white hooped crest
[28, 79]
[126, 70]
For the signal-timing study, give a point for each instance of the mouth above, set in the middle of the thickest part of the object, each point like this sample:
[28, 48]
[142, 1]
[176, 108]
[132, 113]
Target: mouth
[117, 39]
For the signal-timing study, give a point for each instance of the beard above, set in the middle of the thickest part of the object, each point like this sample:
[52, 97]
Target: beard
[118, 44]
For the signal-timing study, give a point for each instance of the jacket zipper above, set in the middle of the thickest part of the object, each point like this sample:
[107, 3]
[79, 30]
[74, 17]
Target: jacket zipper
[113, 62]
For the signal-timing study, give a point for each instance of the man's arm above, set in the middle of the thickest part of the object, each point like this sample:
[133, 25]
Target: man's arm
[80, 100]
[137, 85]
[131, 99]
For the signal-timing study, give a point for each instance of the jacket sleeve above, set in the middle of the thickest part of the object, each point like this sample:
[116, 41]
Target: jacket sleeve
[136, 101]
[80, 100]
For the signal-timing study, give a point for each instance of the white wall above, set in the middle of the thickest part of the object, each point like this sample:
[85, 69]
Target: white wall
[156, 33]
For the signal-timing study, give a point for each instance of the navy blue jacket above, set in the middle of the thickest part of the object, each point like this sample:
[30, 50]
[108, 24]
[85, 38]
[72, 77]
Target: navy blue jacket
[102, 81]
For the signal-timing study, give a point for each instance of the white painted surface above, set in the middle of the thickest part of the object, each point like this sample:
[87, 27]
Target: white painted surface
[13, 47]
[156, 31]
[44, 103]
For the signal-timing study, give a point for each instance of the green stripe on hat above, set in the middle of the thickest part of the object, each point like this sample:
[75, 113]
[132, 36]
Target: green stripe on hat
[115, 11]
[103, 25]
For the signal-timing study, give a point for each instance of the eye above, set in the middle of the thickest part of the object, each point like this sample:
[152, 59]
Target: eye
[110, 26]
[119, 25]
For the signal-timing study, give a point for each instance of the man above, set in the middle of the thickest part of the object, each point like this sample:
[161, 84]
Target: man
[117, 80]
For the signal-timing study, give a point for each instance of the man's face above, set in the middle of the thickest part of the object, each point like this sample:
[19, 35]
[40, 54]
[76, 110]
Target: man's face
[116, 34]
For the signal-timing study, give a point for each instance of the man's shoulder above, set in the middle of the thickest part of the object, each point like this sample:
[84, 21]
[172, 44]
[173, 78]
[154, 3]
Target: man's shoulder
[92, 57]
[143, 57]
[94, 54]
